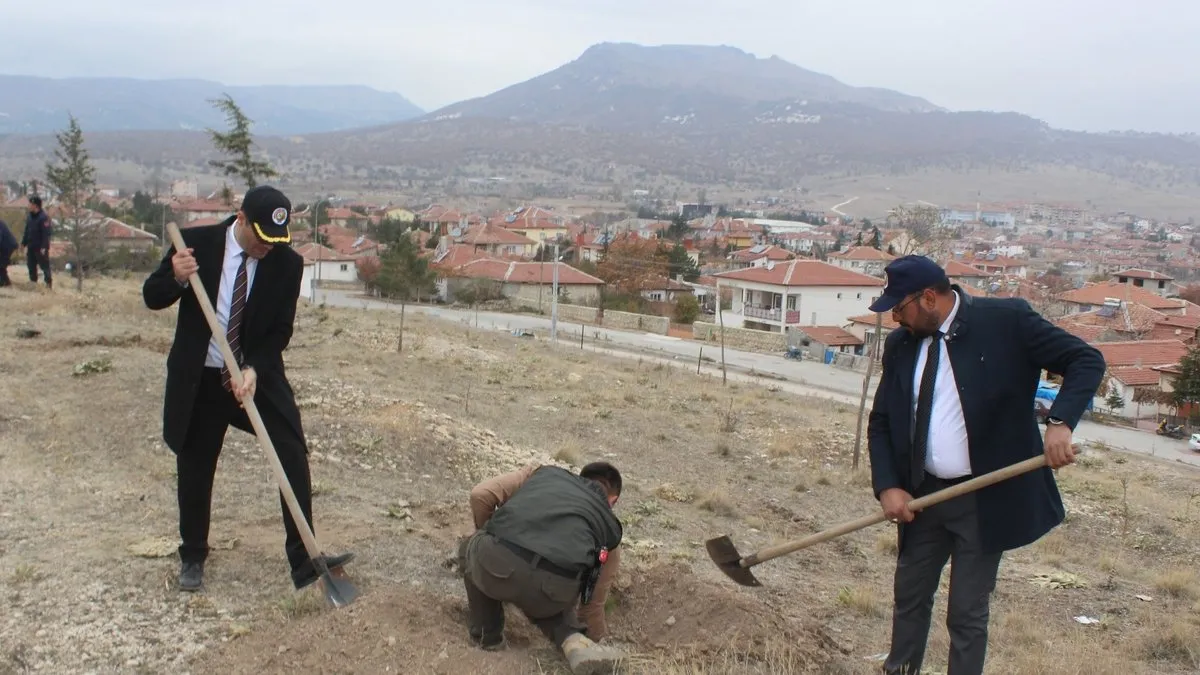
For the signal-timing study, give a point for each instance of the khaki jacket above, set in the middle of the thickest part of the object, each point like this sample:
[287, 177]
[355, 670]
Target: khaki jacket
[493, 492]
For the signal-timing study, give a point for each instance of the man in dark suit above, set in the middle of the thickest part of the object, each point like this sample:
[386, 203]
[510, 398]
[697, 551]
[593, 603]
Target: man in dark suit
[252, 277]
[954, 401]
[8, 244]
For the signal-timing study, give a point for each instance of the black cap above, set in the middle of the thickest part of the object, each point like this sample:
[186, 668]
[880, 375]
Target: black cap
[268, 213]
[905, 276]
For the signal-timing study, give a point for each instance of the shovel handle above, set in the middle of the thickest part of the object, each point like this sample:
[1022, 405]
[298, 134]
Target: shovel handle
[879, 517]
[260, 430]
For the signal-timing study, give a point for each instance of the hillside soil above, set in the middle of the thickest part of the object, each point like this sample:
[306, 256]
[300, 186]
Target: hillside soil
[88, 514]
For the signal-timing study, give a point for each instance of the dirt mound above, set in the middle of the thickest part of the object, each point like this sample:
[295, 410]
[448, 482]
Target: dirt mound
[386, 631]
[666, 618]
[667, 607]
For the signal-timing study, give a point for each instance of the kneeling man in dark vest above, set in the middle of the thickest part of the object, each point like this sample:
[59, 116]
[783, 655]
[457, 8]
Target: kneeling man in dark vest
[545, 542]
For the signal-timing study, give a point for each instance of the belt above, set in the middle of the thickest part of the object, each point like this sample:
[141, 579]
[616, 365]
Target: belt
[948, 481]
[539, 562]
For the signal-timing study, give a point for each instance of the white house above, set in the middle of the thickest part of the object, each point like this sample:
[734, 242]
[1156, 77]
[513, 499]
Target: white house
[324, 265]
[799, 292]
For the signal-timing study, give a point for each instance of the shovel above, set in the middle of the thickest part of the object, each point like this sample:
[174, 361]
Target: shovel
[339, 590]
[726, 556]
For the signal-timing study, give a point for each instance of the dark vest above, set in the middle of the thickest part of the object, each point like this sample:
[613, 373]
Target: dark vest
[561, 516]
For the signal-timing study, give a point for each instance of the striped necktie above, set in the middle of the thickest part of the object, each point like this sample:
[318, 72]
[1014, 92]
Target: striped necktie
[233, 332]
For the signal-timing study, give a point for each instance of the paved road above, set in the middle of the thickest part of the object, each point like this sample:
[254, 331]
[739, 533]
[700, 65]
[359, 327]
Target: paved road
[801, 377]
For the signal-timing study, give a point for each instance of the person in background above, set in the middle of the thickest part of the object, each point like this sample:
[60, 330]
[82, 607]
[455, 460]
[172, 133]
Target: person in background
[8, 244]
[36, 241]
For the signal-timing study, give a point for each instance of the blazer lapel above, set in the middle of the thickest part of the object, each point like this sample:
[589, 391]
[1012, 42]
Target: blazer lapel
[967, 362]
[906, 362]
[262, 286]
[211, 275]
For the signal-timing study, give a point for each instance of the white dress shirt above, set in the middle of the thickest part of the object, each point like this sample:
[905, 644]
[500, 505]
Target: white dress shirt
[946, 453]
[233, 258]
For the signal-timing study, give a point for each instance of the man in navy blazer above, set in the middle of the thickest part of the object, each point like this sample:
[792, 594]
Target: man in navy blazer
[954, 401]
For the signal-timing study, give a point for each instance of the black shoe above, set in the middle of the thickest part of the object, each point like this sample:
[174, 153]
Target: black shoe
[191, 576]
[307, 573]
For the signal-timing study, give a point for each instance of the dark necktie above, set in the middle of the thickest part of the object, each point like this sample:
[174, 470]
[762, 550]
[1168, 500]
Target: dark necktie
[234, 328]
[924, 409]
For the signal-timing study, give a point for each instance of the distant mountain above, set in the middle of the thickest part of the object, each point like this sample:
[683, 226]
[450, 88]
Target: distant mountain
[38, 105]
[628, 86]
[623, 115]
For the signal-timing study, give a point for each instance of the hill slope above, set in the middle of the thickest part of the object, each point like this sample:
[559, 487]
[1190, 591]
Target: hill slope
[624, 85]
[33, 105]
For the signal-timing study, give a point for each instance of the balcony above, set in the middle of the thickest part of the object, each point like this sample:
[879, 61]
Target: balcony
[793, 316]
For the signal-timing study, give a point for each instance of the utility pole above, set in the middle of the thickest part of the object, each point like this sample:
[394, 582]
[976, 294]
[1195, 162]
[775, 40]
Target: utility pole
[554, 300]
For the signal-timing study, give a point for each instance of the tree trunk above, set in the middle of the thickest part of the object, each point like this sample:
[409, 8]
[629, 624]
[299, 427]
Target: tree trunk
[400, 341]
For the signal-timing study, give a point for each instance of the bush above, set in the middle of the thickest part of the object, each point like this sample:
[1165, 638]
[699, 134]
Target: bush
[687, 309]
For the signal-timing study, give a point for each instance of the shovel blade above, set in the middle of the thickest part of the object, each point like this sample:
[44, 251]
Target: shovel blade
[339, 590]
[728, 560]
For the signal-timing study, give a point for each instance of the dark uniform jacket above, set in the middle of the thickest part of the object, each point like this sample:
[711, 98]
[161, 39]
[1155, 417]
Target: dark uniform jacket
[266, 326]
[559, 515]
[998, 348]
[37, 231]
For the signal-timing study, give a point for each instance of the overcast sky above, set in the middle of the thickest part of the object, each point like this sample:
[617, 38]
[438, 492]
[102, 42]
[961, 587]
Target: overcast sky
[1077, 64]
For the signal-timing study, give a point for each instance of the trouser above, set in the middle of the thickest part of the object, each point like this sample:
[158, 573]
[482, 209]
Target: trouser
[5, 261]
[494, 574]
[949, 530]
[33, 260]
[215, 409]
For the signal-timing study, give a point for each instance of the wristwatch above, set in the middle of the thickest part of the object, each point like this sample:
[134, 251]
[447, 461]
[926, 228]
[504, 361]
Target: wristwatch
[1054, 420]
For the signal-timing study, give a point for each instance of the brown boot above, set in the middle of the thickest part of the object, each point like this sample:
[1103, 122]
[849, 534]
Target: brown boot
[588, 658]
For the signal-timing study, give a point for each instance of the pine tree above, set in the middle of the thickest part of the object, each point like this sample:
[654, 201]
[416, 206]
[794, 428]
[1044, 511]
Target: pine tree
[239, 145]
[1186, 387]
[74, 179]
[404, 275]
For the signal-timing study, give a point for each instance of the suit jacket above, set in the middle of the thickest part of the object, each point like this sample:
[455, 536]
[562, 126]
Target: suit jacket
[998, 348]
[266, 326]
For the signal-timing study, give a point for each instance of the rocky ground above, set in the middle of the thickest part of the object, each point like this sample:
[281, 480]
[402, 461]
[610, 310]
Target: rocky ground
[87, 513]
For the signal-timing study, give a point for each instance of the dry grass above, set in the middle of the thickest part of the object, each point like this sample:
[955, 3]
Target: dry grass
[1178, 583]
[862, 600]
[717, 501]
[700, 458]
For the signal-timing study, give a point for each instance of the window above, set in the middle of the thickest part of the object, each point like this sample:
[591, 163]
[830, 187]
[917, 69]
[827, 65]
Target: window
[345, 267]
[858, 297]
[839, 296]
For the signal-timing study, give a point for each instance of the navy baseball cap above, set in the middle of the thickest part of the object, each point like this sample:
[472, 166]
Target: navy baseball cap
[905, 276]
[268, 212]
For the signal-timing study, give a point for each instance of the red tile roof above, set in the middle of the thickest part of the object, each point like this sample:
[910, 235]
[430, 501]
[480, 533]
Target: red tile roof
[525, 272]
[801, 273]
[312, 252]
[863, 253]
[869, 319]
[770, 252]
[492, 234]
[955, 269]
[1138, 273]
[1094, 294]
[1144, 353]
[831, 335]
[1136, 377]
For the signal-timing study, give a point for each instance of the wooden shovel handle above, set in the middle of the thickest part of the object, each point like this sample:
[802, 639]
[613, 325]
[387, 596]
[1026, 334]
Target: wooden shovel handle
[235, 372]
[915, 505]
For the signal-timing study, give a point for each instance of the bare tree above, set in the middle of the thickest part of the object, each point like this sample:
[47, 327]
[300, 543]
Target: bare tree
[74, 179]
[926, 233]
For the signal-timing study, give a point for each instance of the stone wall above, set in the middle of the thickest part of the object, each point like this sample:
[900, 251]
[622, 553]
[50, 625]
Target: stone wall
[740, 338]
[642, 322]
[578, 313]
